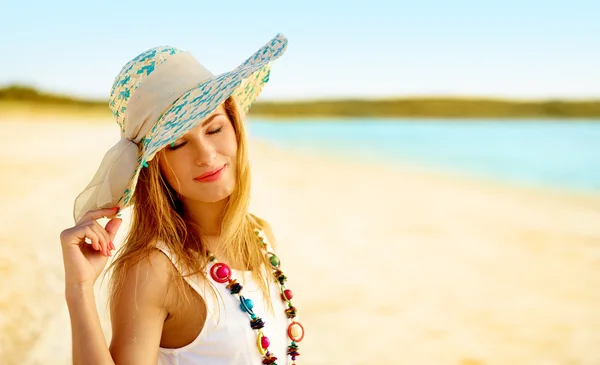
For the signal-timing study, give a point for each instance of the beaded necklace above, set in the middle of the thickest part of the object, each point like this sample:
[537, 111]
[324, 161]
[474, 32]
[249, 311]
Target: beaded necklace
[221, 273]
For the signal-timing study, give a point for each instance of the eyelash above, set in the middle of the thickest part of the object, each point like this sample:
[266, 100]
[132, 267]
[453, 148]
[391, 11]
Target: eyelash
[218, 130]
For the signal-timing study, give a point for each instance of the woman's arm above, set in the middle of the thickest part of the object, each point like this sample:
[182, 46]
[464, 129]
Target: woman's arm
[89, 345]
[83, 263]
[137, 317]
[139, 313]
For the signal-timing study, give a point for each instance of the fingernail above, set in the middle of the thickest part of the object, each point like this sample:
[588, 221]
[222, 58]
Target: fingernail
[112, 247]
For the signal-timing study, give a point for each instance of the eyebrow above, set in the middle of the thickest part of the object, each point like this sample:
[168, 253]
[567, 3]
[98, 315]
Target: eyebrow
[210, 119]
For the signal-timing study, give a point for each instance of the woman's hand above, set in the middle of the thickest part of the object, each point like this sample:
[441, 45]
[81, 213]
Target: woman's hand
[84, 261]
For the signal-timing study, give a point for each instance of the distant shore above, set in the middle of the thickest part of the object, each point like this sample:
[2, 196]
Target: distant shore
[24, 100]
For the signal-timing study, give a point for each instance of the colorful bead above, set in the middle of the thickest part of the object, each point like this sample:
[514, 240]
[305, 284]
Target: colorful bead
[287, 295]
[293, 350]
[257, 323]
[246, 304]
[269, 359]
[223, 272]
[291, 312]
[259, 343]
[234, 287]
[280, 277]
[274, 261]
[265, 342]
[220, 272]
[295, 331]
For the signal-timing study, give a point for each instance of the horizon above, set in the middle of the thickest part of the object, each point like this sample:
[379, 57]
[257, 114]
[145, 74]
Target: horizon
[424, 97]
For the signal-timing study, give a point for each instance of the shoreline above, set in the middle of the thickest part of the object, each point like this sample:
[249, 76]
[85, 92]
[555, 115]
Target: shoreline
[433, 172]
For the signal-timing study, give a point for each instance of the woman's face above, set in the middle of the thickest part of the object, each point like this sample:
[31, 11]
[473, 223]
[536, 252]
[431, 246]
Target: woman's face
[201, 165]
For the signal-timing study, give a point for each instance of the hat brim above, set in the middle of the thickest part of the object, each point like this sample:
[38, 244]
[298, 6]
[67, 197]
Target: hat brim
[244, 83]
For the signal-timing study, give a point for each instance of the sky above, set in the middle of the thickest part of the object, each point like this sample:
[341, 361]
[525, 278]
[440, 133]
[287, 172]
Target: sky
[363, 49]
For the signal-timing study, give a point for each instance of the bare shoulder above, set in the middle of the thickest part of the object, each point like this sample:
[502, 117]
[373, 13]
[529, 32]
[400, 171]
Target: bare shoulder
[150, 278]
[139, 312]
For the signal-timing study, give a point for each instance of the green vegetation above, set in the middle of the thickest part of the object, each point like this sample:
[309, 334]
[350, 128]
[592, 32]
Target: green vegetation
[15, 98]
[434, 108]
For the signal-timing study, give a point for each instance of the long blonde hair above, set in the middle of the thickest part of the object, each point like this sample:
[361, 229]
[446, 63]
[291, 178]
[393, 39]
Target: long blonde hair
[157, 216]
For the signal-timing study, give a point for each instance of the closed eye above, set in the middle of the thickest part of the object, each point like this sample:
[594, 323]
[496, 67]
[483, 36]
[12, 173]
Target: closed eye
[172, 146]
[218, 130]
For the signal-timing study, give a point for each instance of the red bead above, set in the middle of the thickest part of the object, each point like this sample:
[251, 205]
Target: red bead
[264, 342]
[223, 272]
[287, 295]
[220, 272]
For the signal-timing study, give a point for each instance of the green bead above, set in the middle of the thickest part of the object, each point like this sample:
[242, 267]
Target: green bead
[274, 260]
[254, 316]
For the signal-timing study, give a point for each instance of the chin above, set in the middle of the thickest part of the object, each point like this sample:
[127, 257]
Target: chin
[214, 198]
[213, 194]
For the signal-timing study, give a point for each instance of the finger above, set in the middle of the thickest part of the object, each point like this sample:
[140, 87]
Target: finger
[102, 241]
[105, 237]
[112, 227]
[97, 214]
[91, 234]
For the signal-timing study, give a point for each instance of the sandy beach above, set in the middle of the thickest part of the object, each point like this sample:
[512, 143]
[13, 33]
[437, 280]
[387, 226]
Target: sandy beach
[389, 265]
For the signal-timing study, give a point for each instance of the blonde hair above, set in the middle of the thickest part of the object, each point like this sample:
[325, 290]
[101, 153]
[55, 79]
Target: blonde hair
[157, 216]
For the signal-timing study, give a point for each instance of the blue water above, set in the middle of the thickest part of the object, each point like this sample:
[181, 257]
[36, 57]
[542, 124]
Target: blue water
[548, 153]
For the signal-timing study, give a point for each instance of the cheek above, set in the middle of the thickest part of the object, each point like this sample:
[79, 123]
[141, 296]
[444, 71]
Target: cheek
[232, 145]
[169, 171]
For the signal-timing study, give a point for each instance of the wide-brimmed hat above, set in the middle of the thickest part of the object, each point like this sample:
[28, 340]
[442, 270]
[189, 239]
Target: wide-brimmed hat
[156, 98]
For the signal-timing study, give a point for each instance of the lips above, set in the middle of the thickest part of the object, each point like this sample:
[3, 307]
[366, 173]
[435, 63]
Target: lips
[211, 175]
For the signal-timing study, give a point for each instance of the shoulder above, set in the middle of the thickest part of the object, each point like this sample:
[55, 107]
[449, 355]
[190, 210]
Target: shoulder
[145, 283]
[140, 309]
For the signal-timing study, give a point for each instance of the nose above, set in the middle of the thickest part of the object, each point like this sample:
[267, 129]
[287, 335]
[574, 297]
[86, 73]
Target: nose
[205, 154]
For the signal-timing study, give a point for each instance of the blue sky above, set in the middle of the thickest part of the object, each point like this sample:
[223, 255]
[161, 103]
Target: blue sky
[524, 49]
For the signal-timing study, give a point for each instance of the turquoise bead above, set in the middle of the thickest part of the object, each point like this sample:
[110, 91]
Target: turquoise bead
[254, 316]
[248, 305]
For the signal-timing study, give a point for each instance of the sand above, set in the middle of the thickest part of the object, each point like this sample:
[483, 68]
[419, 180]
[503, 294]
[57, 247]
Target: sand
[389, 265]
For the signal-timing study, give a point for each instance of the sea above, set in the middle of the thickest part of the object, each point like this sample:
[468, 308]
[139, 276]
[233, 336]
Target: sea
[563, 154]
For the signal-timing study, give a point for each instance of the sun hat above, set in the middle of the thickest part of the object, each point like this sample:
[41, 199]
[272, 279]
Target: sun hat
[156, 98]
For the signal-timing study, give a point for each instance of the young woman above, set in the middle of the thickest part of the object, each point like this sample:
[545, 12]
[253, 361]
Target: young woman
[196, 280]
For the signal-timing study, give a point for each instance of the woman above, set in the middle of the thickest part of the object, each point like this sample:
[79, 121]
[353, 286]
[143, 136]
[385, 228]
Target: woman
[196, 280]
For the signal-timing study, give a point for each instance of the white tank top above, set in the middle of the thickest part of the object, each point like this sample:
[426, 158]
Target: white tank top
[227, 338]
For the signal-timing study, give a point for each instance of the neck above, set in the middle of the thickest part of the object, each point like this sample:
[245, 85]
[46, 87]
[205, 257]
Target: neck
[206, 215]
